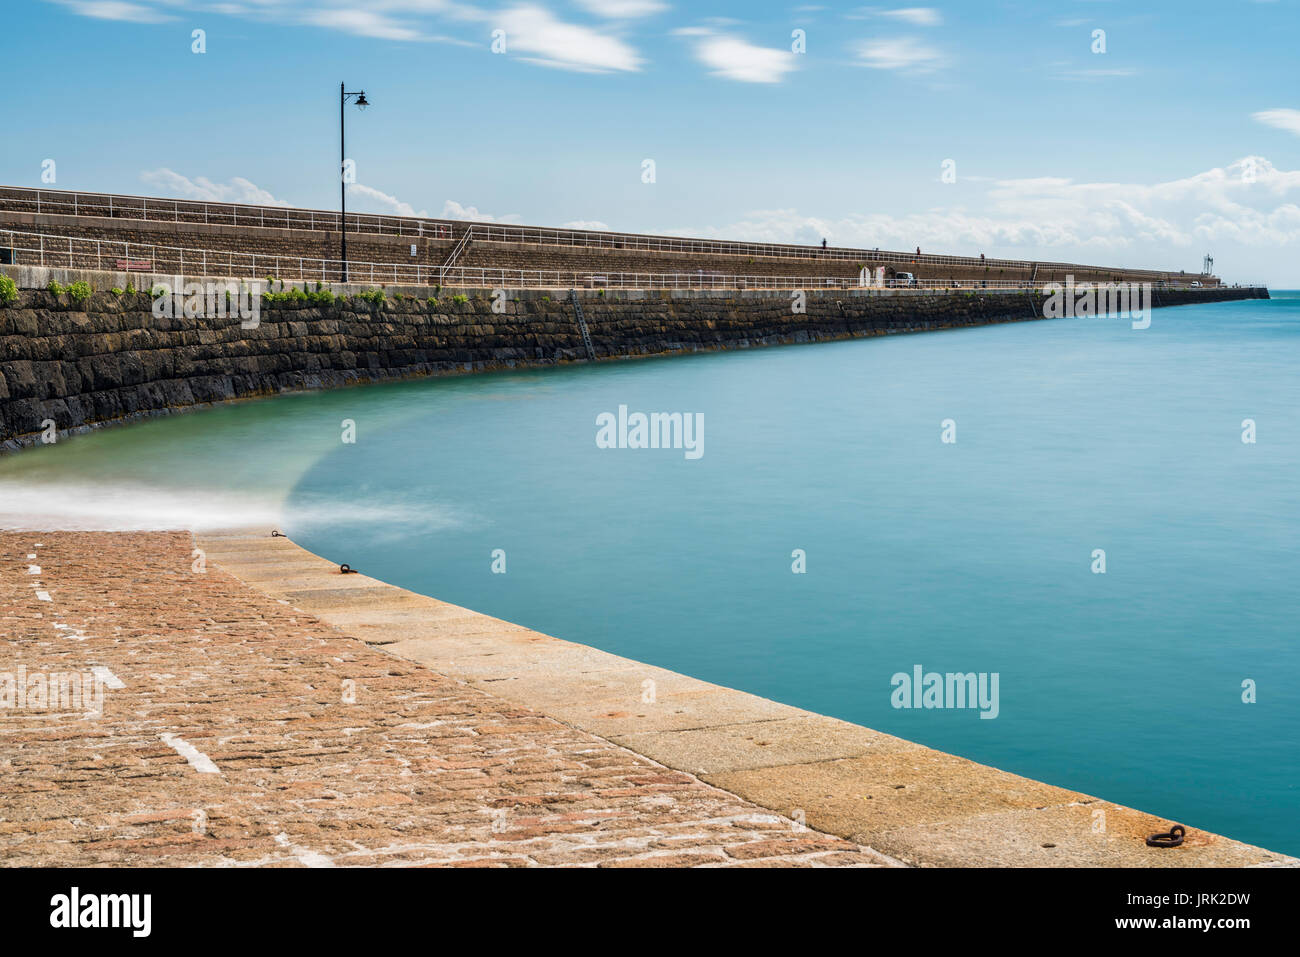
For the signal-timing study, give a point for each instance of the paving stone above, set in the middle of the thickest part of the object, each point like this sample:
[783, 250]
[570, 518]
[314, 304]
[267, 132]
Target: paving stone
[326, 751]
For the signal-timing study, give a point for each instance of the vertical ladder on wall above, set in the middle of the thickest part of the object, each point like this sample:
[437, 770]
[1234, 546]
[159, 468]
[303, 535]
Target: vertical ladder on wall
[582, 324]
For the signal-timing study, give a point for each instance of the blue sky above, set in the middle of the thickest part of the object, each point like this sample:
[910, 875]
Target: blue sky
[1181, 138]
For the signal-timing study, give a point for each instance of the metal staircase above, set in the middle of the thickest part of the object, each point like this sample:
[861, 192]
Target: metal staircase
[456, 250]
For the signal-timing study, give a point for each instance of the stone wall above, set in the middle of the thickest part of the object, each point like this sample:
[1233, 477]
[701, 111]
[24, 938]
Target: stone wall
[109, 359]
[265, 229]
[229, 244]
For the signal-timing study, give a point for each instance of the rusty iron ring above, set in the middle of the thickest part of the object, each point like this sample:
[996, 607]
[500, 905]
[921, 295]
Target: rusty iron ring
[1172, 838]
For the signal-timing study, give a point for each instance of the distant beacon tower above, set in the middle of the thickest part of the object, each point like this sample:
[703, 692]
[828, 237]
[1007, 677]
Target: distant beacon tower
[1207, 268]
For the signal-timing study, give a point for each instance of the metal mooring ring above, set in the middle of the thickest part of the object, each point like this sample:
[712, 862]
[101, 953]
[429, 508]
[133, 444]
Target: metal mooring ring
[1172, 838]
[275, 534]
[347, 570]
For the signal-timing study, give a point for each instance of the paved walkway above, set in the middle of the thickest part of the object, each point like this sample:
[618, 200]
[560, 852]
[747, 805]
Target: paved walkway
[917, 805]
[237, 730]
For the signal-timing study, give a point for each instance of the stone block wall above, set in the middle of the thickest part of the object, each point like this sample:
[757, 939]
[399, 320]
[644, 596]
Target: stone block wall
[581, 261]
[108, 359]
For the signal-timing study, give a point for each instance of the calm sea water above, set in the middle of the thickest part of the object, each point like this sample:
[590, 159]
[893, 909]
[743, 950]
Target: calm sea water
[974, 556]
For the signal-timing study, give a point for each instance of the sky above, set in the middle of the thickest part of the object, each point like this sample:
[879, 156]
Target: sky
[1128, 133]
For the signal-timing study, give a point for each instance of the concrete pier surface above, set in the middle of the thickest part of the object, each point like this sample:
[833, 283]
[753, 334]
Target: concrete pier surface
[262, 708]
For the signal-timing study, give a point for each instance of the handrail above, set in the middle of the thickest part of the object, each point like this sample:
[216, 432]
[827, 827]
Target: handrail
[455, 253]
[240, 214]
[46, 249]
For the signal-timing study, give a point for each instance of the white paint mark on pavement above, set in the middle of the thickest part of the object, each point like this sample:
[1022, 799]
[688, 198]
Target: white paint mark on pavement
[33, 569]
[198, 760]
[44, 596]
[304, 856]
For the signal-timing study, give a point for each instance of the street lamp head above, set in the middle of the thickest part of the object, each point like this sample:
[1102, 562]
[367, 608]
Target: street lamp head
[362, 102]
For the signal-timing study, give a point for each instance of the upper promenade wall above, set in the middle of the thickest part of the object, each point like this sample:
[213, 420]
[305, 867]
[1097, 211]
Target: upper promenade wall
[239, 241]
[290, 232]
[110, 359]
[302, 253]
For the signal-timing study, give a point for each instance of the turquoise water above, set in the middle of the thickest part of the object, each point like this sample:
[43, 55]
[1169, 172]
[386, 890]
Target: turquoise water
[1072, 435]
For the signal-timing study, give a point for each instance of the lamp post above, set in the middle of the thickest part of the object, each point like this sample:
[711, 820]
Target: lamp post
[361, 104]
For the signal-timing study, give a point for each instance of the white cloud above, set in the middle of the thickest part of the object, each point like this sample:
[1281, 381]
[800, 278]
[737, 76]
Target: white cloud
[737, 59]
[551, 42]
[382, 202]
[1248, 206]
[366, 23]
[917, 16]
[1283, 119]
[623, 9]
[593, 224]
[390, 203]
[454, 210]
[116, 10]
[531, 30]
[904, 53]
[237, 190]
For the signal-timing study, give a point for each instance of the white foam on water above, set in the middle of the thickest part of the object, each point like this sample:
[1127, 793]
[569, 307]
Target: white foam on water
[82, 506]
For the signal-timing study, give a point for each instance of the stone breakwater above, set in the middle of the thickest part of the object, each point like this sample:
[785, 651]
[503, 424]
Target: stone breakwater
[108, 359]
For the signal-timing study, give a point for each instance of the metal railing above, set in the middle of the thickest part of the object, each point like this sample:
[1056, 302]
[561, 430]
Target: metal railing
[70, 252]
[285, 217]
[155, 209]
[450, 262]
